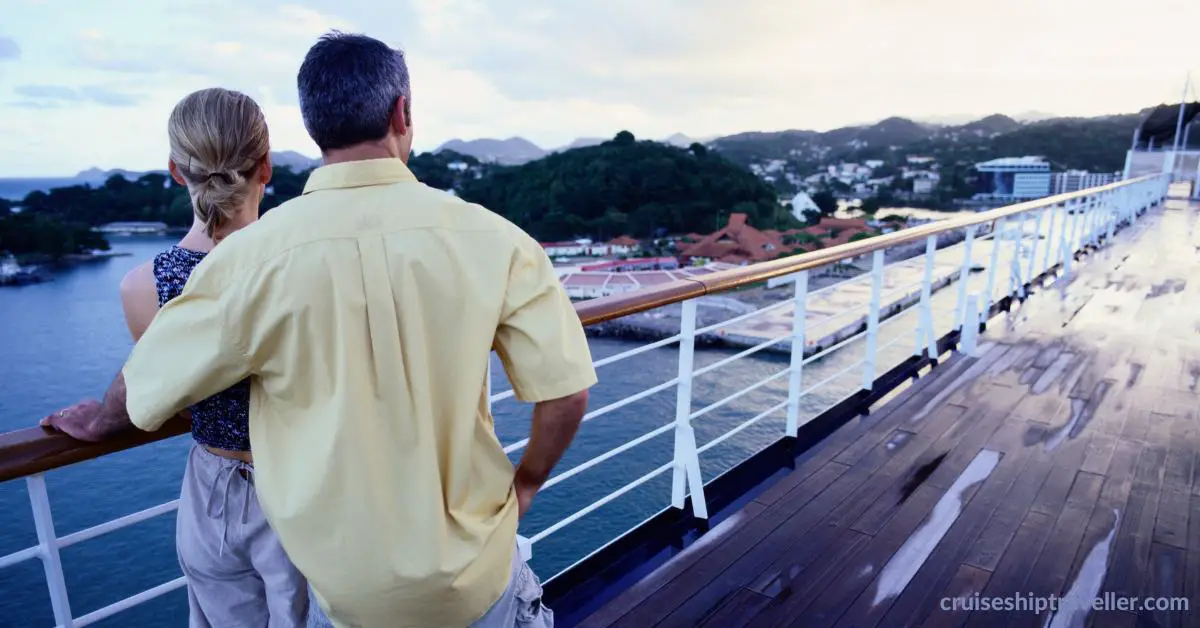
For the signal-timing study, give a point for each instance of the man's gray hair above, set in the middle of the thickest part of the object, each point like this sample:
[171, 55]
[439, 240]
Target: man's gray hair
[348, 87]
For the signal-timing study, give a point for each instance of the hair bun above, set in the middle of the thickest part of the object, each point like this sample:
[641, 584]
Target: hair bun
[228, 177]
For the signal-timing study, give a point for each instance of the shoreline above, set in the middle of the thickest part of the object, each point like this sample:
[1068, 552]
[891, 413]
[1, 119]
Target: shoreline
[39, 267]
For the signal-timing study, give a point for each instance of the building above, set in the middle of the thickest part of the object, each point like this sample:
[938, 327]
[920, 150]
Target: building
[128, 228]
[801, 203]
[1013, 178]
[592, 284]
[1075, 180]
[923, 186]
[627, 265]
[735, 243]
[620, 245]
[566, 249]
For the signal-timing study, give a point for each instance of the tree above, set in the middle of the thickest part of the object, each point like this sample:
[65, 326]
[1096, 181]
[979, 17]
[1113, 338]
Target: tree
[870, 205]
[623, 138]
[698, 149]
[826, 202]
[627, 187]
[861, 235]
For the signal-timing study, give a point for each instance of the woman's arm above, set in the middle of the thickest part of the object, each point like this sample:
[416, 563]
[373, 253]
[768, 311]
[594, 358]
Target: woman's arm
[139, 298]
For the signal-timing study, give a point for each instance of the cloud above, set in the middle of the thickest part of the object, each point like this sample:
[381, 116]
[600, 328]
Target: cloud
[9, 50]
[52, 96]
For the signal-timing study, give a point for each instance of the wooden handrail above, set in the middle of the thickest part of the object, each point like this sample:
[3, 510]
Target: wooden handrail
[35, 450]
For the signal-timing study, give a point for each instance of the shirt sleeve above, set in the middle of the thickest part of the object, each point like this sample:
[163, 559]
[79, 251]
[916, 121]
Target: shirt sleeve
[195, 346]
[540, 339]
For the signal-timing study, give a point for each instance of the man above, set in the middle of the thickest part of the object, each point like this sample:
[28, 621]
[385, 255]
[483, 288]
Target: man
[365, 312]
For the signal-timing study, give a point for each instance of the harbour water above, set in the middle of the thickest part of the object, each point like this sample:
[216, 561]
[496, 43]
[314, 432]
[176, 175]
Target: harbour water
[65, 339]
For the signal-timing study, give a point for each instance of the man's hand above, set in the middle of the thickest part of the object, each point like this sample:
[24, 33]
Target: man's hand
[77, 421]
[525, 492]
[554, 425]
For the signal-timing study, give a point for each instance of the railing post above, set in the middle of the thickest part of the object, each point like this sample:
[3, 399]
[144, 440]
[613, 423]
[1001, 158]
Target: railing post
[926, 340]
[1084, 227]
[1016, 281]
[687, 460]
[1049, 255]
[1113, 215]
[1070, 215]
[961, 308]
[970, 333]
[43, 520]
[873, 319]
[799, 323]
[1033, 248]
[990, 291]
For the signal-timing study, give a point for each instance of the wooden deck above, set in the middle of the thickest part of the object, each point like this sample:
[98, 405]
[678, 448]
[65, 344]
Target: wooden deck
[1060, 456]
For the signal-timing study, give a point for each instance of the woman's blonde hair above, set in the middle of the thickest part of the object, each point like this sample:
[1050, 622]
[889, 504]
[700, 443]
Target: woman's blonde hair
[218, 139]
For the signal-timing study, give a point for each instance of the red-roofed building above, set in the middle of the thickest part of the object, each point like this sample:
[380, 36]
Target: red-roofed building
[736, 243]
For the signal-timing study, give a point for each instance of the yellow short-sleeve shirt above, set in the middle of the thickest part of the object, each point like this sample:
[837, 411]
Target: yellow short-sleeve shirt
[365, 312]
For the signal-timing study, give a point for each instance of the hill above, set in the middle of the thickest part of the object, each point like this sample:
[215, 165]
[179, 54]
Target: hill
[512, 151]
[1096, 144]
[625, 186]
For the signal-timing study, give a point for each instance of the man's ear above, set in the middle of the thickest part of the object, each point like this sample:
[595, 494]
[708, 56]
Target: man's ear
[401, 116]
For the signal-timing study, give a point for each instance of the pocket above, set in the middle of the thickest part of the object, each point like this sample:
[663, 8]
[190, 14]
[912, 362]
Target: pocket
[530, 610]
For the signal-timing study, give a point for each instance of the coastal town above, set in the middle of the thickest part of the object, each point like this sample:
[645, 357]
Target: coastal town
[590, 270]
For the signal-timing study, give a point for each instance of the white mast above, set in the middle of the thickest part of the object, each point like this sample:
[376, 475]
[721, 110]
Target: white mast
[1179, 121]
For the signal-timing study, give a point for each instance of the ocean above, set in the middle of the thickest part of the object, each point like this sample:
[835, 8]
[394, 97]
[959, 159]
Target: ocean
[64, 340]
[15, 189]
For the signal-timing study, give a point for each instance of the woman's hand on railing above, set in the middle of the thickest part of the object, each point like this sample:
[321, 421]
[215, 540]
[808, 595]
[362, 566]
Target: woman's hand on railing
[76, 421]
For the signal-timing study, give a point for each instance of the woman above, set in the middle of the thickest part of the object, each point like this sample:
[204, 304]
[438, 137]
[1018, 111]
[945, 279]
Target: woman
[237, 572]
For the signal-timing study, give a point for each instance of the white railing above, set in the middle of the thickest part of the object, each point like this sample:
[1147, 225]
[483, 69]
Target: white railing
[1065, 226]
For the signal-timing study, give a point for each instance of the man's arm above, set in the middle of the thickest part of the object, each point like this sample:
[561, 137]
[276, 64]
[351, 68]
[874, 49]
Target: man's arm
[92, 421]
[554, 425]
[546, 356]
[197, 345]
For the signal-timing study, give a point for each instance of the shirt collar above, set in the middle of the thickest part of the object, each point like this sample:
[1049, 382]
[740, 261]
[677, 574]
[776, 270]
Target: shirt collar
[357, 174]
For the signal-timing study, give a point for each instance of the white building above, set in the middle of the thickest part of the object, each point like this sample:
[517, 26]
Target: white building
[566, 249]
[923, 186]
[802, 202]
[1014, 178]
[873, 163]
[132, 227]
[1075, 180]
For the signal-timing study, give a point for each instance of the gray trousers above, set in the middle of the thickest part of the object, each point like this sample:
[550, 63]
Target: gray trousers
[519, 606]
[237, 572]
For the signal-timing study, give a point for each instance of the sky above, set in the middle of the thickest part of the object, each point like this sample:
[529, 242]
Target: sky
[90, 83]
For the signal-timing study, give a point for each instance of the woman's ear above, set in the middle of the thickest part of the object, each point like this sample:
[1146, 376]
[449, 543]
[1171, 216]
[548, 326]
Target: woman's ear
[265, 169]
[174, 170]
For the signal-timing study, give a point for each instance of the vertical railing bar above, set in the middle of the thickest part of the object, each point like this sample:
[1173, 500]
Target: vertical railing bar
[877, 261]
[1064, 245]
[925, 336]
[970, 333]
[989, 296]
[961, 307]
[686, 475]
[1033, 248]
[795, 377]
[1016, 284]
[43, 521]
[1049, 256]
